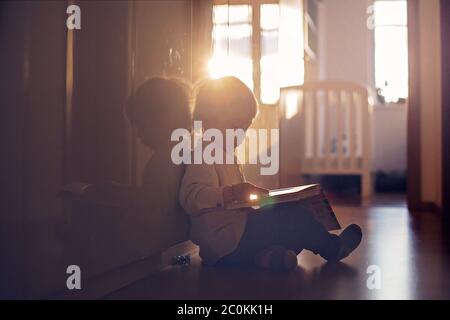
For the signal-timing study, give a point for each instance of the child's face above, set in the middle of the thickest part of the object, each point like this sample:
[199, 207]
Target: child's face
[243, 124]
[234, 123]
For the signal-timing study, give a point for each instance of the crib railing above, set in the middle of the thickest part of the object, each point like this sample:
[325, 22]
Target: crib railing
[335, 120]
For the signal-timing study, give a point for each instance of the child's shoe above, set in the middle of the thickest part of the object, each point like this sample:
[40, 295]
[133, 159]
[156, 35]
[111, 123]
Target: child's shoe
[350, 239]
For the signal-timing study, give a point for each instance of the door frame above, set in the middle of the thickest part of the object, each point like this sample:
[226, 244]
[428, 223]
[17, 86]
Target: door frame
[414, 162]
[414, 189]
[445, 54]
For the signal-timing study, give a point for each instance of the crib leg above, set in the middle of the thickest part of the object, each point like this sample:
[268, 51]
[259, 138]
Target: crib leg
[366, 185]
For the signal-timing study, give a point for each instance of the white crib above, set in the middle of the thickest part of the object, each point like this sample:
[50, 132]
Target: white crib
[335, 119]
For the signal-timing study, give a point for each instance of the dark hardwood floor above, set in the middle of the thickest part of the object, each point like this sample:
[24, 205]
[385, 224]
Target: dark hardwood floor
[409, 249]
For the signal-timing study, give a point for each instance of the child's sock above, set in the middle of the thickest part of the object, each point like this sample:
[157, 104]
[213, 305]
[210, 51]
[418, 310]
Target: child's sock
[277, 258]
[349, 240]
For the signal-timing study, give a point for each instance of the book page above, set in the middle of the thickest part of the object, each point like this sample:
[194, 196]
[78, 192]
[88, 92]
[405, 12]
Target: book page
[277, 192]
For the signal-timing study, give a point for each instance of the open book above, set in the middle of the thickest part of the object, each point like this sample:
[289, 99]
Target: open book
[310, 195]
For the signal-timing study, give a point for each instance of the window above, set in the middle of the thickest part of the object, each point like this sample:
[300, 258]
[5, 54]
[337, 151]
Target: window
[269, 49]
[391, 49]
[232, 43]
[257, 61]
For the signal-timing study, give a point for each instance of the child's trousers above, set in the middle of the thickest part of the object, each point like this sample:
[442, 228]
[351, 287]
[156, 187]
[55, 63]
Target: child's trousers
[289, 225]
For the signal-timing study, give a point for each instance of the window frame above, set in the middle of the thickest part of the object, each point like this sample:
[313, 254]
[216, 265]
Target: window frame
[255, 39]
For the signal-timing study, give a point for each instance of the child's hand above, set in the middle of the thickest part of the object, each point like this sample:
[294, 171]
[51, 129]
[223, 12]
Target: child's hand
[243, 192]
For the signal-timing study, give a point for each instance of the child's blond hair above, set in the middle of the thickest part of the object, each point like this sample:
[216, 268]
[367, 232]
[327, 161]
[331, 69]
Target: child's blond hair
[224, 99]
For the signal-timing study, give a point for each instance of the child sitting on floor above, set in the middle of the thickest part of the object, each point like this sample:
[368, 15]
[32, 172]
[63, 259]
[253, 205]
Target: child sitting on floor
[270, 237]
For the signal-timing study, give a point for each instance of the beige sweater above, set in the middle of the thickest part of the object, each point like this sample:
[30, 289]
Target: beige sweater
[216, 231]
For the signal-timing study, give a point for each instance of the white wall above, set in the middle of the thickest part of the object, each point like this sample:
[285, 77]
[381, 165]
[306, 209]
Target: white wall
[389, 135]
[347, 46]
[347, 53]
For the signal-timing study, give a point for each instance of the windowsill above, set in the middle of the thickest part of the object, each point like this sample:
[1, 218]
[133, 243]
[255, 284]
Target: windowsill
[390, 106]
[268, 104]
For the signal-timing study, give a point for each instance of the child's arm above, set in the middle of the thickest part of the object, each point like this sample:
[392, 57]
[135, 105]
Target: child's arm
[200, 189]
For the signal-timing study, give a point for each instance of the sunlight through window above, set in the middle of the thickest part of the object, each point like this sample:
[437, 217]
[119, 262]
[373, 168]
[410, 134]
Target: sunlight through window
[291, 105]
[391, 49]
[280, 49]
[270, 86]
[232, 43]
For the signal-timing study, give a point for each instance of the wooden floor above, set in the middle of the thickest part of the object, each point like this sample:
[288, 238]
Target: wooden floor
[410, 251]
